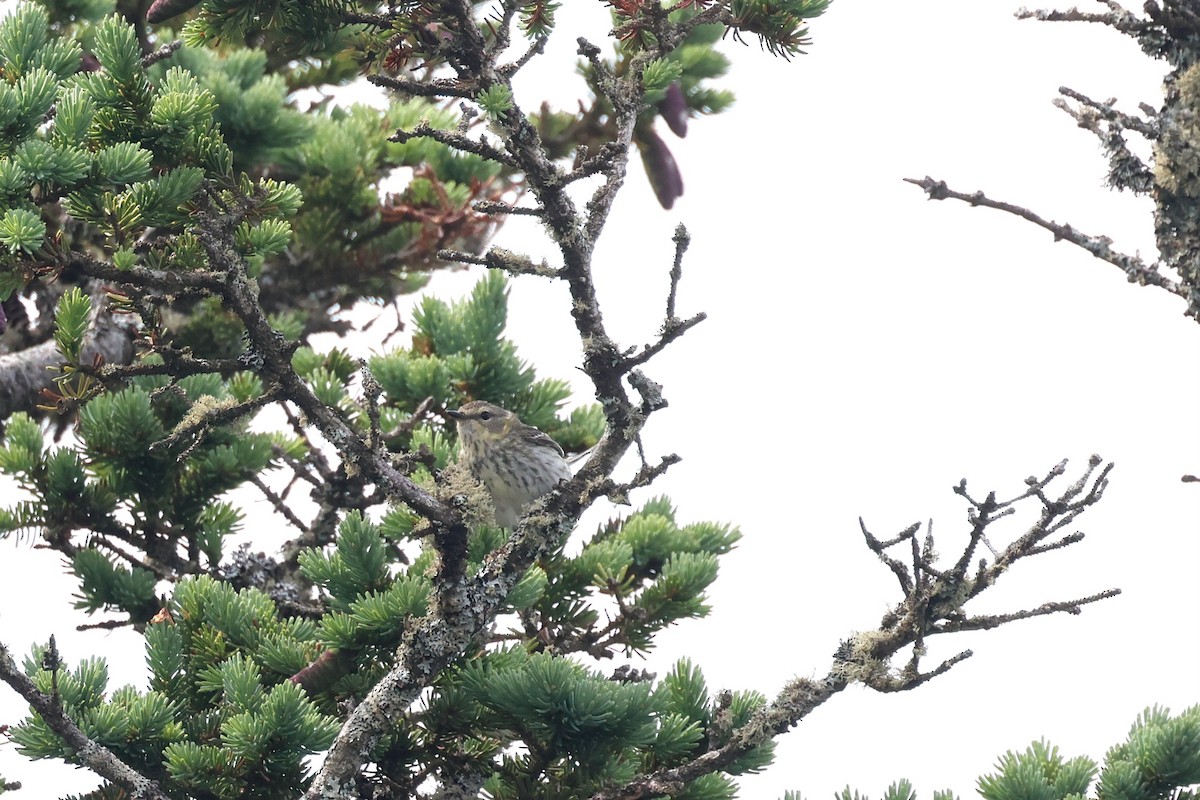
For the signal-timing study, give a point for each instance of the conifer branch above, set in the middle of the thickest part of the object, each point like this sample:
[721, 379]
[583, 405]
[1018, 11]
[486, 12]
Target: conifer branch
[314, 458]
[865, 657]
[932, 604]
[94, 756]
[335, 490]
[464, 610]
[717, 13]
[24, 374]
[794, 702]
[161, 571]
[464, 784]
[465, 606]
[468, 50]
[574, 233]
[272, 355]
[172, 281]
[597, 643]
[175, 363]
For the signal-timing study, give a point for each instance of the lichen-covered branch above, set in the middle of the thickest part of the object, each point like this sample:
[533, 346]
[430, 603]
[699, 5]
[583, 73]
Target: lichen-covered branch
[499, 258]
[480, 147]
[273, 357]
[1116, 17]
[1125, 171]
[795, 702]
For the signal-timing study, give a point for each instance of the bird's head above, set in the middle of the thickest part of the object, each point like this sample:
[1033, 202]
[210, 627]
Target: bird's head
[482, 421]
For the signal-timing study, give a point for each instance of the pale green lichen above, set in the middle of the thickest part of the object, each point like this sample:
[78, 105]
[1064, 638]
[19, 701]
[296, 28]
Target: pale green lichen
[1177, 152]
[202, 407]
[593, 488]
[859, 666]
[458, 482]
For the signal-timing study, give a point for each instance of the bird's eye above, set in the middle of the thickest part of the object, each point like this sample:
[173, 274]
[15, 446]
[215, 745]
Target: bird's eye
[485, 415]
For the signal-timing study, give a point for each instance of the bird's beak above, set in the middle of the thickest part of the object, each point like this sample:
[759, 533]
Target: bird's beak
[455, 415]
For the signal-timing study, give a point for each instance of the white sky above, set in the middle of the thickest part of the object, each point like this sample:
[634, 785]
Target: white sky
[866, 349]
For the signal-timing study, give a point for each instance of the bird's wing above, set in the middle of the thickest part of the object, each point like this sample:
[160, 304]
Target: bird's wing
[539, 439]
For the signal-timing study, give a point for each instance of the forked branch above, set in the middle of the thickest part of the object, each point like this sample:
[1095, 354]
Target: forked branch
[933, 602]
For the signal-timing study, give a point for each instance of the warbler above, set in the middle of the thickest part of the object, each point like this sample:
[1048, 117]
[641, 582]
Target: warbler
[515, 462]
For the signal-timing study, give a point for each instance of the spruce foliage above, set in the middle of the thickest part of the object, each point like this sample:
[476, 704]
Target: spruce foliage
[182, 209]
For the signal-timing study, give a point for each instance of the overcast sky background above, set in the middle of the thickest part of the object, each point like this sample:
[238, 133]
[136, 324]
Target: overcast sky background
[867, 349]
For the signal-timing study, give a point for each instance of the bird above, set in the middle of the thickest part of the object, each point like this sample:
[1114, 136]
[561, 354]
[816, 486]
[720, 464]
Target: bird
[516, 463]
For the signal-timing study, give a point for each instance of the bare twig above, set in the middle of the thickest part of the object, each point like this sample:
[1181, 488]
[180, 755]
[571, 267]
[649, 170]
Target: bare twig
[495, 207]
[1116, 17]
[594, 164]
[934, 598]
[681, 239]
[1107, 110]
[278, 504]
[879, 548]
[647, 474]
[671, 330]
[672, 327]
[499, 258]
[480, 147]
[625, 95]
[1134, 268]
[164, 52]
[383, 21]
[536, 48]
[1125, 169]
[911, 677]
[438, 87]
[988, 621]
